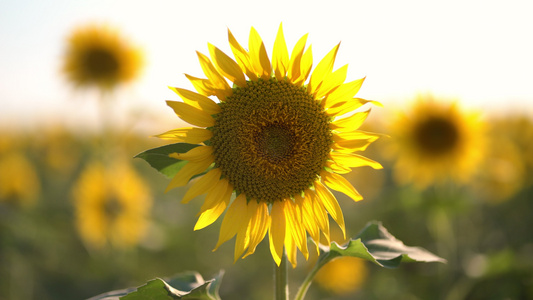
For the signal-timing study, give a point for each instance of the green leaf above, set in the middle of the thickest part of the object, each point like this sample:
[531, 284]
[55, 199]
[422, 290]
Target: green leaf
[158, 158]
[376, 244]
[188, 285]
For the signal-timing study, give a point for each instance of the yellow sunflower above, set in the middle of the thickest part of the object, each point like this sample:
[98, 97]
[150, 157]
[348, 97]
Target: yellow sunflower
[99, 56]
[19, 181]
[112, 205]
[274, 140]
[436, 141]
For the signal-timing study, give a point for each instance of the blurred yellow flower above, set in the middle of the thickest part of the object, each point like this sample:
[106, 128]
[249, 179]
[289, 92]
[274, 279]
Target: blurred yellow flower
[434, 142]
[505, 168]
[276, 141]
[112, 205]
[342, 275]
[19, 182]
[98, 56]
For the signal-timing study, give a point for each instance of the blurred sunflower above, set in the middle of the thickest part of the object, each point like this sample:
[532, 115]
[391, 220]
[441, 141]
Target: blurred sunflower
[276, 141]
[112, 205]
[343, 275]
[434, 142]
[99, 56]
[19, 182]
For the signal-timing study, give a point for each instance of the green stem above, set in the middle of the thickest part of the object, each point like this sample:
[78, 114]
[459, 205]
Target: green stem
[310, 276]
[281, 282]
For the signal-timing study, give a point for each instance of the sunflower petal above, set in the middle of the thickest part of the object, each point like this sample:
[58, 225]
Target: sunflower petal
[214, 195]
[258, 55]
[306, 63]
[218, 204]
[354, 160]
[202, 86]
[296, 56]
[343, 93]
[331, 205]
[199, 101]
[350, 123]
[290, 249]
[202, 185]
[234, 219]
[322, 70]
[187, 172]
[339, 183]
[227, 66]
[242, 57]
[195, 154]
[320, 215]
[332, 81]
[276, 234]
[190, 135]
[280, 55]
[259, 224]
[191, 114]
[308, 218]
[293, 218]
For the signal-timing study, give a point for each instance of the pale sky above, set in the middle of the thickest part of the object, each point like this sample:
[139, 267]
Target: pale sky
[480, 52]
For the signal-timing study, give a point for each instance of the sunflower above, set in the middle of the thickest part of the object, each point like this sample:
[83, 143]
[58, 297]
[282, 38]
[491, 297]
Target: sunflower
[19, 181]
[99, 56]
[274, 140]
[112, 205]
[436, 141]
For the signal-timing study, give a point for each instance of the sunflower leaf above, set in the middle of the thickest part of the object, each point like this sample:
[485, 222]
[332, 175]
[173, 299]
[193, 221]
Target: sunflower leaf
[188, 285]
[376, 244]
[160, 160]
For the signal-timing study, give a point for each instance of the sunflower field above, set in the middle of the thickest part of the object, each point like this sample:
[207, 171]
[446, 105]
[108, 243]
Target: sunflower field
[97, 212]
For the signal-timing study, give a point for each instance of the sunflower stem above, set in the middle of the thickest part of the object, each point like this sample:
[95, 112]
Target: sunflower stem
[281, 282]
[322, 260]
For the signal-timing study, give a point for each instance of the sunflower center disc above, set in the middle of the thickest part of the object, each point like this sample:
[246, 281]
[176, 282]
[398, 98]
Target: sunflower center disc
[437, 136]
[271, 140]
[100, 63]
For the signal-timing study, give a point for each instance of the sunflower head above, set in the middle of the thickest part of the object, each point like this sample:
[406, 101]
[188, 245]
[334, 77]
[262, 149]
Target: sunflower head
[112, 205]
[277, 138]
[436, 141]
[98, 56]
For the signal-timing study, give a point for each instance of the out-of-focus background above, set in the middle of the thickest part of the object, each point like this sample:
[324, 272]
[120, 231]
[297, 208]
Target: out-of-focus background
[79, 216]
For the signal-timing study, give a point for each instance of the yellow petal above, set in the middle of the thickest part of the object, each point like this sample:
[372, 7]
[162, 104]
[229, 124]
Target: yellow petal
[332, 81]
[348, 142]
[259, 224]
[290, 249]
[308, 218]
[331, 205]
[227, 66]
[258, 55]
[243, 238]
[350, 123]
[191, 135]
[322, 70]
[339, 183]
[337, 168]
[353, 160]
[195, 154]
[199, 101]
[280, 55]
[342, 108]
[218, 204]
[242, 57]
[202, 185]
[187, 172]
[343, 93]
[211, 72]
[321, 215]
[191, 114]
[306, 63]
[202, 86]
[234, 220]
[276, 235]
[215, 195]
[293, 218]
[296, 56]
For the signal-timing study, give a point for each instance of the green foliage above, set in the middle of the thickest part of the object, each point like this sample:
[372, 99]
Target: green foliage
[188, 285]
[158, 158]
[376, 244]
